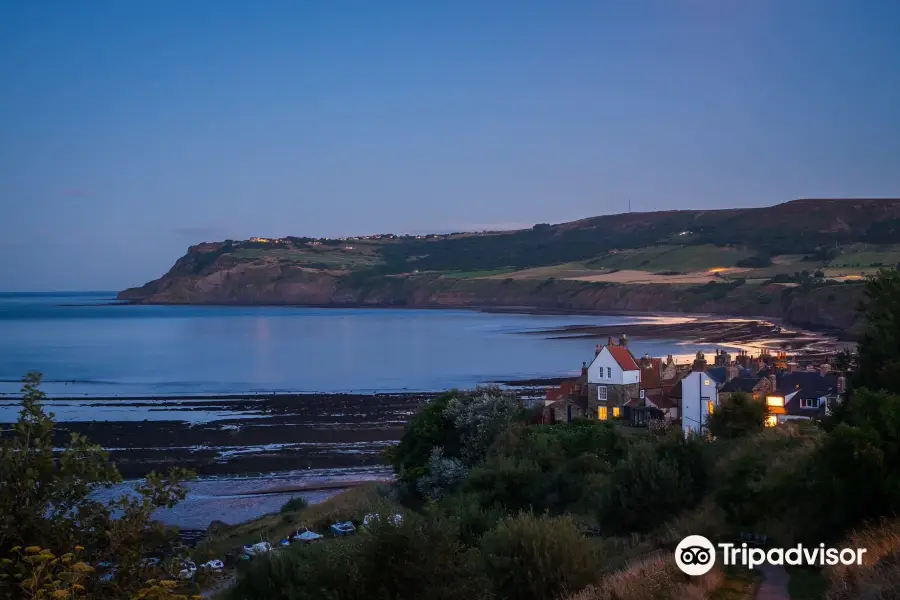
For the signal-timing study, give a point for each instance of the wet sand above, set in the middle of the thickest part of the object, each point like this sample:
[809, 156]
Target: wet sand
[284, 432]
[752, 335]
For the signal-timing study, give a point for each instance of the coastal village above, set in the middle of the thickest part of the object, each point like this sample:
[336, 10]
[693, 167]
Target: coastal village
[616, 385]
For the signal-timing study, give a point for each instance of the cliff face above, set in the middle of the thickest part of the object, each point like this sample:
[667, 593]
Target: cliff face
[207, 275]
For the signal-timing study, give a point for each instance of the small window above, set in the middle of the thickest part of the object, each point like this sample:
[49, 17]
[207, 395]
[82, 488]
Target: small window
[771, 421]
[710, 407]
[775, 400]
[601, 413]
[608, 373]
[616, 411]
[642, 394]
[601, 393]
[809, 403]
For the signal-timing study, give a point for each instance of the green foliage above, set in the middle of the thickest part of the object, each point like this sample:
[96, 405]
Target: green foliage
[419, 558]
[45, 499]
[878, 358]
[450, 435]
[294, 504]
[528, 557]
[651, 484]
[738, 416]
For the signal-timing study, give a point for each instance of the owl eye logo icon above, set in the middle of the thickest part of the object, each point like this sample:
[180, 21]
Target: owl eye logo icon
[695, 555]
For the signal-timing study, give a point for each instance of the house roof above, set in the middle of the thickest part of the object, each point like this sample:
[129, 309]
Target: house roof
[554, 394]
[563, 402]
[741, 384]
[718, 374]
[808, 384]
[650, 377]
[623, 357]
[675, 392]
[660, 401]
[633, 403]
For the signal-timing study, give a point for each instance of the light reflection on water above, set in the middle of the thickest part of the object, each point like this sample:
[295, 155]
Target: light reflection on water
[85, 348]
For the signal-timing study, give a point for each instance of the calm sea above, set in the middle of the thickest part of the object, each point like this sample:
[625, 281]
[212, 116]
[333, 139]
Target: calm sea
[85, 346]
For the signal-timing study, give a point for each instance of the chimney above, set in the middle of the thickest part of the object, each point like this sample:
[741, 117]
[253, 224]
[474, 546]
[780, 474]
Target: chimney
[623, 341]
[699, 363]
[669, 360]
[597, 349]
[609, 341]
[773, 381]
[646, 362]
[583, 369]
[731, 372]
[791, 367]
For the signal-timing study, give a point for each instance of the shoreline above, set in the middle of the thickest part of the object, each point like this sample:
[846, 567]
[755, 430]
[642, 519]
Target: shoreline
[494, 309]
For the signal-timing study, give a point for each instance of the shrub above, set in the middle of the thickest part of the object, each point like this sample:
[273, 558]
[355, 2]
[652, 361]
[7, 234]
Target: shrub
[738, 416]
[294, 504]
[46, 502]
[417, 558]
[529, 557]
[654, 482]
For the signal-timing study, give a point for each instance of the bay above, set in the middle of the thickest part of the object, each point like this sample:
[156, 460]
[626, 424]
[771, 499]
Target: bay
[86, 346]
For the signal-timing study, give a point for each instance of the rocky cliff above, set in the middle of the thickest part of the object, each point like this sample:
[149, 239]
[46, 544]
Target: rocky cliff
[206, 275]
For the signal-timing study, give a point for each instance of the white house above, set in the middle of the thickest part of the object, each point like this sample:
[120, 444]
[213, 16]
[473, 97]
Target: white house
[699, 398]
[614, 365]
[613, 377]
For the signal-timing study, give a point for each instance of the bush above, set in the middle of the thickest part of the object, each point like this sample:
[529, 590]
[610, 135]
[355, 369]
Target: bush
[529, 557]
[447, 437]
[294, 505]
[738, 416]
[418, 559]
[654, 482]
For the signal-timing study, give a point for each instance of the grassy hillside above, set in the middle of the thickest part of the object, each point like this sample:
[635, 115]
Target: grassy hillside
[804, 243]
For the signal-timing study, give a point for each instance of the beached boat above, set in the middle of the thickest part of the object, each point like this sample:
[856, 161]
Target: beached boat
[344, 528]
[305, 536]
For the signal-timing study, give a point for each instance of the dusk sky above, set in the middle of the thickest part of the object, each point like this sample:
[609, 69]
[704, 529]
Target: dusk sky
[130, 129]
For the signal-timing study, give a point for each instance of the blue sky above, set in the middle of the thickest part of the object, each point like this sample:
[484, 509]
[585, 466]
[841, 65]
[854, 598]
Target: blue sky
[130, 130]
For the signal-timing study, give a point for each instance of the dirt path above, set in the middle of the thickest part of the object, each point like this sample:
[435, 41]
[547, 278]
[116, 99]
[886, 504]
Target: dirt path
[774, 585]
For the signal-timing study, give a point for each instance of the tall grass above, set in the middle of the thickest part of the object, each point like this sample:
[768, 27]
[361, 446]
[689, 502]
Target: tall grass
[654, 577]
[879, 576]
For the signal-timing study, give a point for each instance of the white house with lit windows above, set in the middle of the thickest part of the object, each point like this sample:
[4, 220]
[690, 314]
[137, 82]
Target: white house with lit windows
[614, 377]
[699, 399]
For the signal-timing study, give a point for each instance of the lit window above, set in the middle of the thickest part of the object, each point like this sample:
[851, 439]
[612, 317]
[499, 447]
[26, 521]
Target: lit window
[809, 403]
[601, 413]
[771, 421]
[710, 407]
[775, 401]
[616, 411]
[601, 392]
[608, 373]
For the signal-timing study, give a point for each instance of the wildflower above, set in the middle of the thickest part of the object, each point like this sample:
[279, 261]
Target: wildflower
[30, 549]
[60, 594]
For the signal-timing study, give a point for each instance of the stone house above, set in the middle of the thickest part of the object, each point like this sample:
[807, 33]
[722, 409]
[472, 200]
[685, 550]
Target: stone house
[614, 377]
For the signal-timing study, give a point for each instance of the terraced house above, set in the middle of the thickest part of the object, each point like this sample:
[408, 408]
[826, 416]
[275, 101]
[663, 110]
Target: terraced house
[614, 378]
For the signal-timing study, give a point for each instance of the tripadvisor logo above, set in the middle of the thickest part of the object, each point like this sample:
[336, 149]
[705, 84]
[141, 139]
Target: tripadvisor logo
[695, 555]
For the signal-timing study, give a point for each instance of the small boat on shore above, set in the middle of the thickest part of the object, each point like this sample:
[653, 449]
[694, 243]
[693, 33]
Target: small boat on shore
[343, 528]
[305, 536]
